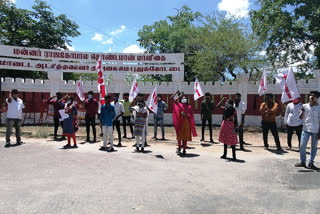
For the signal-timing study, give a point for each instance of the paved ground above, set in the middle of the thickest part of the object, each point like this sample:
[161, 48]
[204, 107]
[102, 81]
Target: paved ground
[40, 177]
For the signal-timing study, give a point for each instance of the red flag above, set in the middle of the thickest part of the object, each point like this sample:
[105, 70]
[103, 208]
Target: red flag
[197, 90]
[152, 102]
[288, 85]
[101, 86]
[263, 84]
[80, 91]
[134, 90]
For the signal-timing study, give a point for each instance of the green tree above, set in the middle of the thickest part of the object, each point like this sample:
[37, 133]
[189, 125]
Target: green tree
[38, 28]
[290, 30]
[215, 47]
[224, 46]
[170, 36]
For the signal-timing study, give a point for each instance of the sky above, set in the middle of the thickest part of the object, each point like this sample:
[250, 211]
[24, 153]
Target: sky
[111, 26]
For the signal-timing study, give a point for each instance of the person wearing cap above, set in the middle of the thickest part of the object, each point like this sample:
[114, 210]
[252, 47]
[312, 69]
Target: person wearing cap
[141, 114]
[158, 117]
[126, 117]
[118, 107]
[240, 107]
[207, 107]
[91, 106]
[107, 115]
[293, 121]
[14, 116]
[58, 104]
[310, 115]
[269, 111]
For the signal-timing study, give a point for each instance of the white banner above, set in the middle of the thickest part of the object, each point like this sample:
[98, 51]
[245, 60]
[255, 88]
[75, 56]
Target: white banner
[37, 65]
[37, 53]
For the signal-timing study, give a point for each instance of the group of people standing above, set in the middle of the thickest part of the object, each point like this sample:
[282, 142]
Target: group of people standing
[304, 119]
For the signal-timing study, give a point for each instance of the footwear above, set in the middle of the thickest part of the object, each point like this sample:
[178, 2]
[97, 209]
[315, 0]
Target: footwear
[312, 166]
[163, 138]
[223, 157]
[67, 145]
[300, 164]
[94, 140]
[103, 148]
[7, 145]
[279, 149]
[289, 148]
[119, 145]
[75, 146]
[88, 140]
[19, 143]
[142, 150]
[242, 148]
[137, 149]
[55, 138]
[145, 144]
[201, 140]
[184, 152]
[266, 147]
[124, 136]
[63, 138]
[111, 149]
[211, 140]
[234, 158]
[178, 150]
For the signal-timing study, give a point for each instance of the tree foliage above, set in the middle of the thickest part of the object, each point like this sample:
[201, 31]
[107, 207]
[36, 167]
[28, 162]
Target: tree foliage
[290, 30]
[215, 47]
[38, 28]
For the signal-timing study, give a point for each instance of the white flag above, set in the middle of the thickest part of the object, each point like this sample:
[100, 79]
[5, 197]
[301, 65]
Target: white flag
[134, 90]
[197, 90]
[287, 83]
[152, 102]
[80, 91]
[263, 84]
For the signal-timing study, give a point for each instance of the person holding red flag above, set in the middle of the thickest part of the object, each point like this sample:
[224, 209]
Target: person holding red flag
[183, 121]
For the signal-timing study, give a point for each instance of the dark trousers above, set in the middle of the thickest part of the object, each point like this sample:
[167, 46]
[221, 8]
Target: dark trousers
[117, 125]
[16, 123]
[204, 126]
[241, 136]
[225, 150]
[127, 120]
[56, 125]
[272, 126]
[291, 130]
[91, 121]
[158, 121]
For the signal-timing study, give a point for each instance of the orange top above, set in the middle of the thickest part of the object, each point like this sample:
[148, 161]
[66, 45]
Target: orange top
[269, 111]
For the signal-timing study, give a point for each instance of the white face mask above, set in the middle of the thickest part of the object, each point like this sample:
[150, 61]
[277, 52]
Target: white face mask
[69, 101]
[90, 96]
[184, 100]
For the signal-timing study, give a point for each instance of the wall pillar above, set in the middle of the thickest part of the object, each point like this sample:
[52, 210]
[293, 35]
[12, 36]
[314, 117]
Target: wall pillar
[55, 79]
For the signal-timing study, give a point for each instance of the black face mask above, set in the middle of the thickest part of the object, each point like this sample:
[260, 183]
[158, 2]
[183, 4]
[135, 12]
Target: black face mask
[140, 105]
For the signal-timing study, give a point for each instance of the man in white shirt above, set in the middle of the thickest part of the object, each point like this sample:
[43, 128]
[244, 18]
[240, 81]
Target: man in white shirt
[293, 121]
[118, 107]
[310, 115]
[241, 108]
[14, 116]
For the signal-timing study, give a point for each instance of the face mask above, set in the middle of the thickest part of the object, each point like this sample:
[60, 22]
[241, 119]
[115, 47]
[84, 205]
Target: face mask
[69, 101]
[159, 98]
[184, 100]
[90, 96]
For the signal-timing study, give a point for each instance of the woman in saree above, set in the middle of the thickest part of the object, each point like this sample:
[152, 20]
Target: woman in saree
[183, 121]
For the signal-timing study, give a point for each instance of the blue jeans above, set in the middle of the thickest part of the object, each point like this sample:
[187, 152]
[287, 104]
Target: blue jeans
[304, 141]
